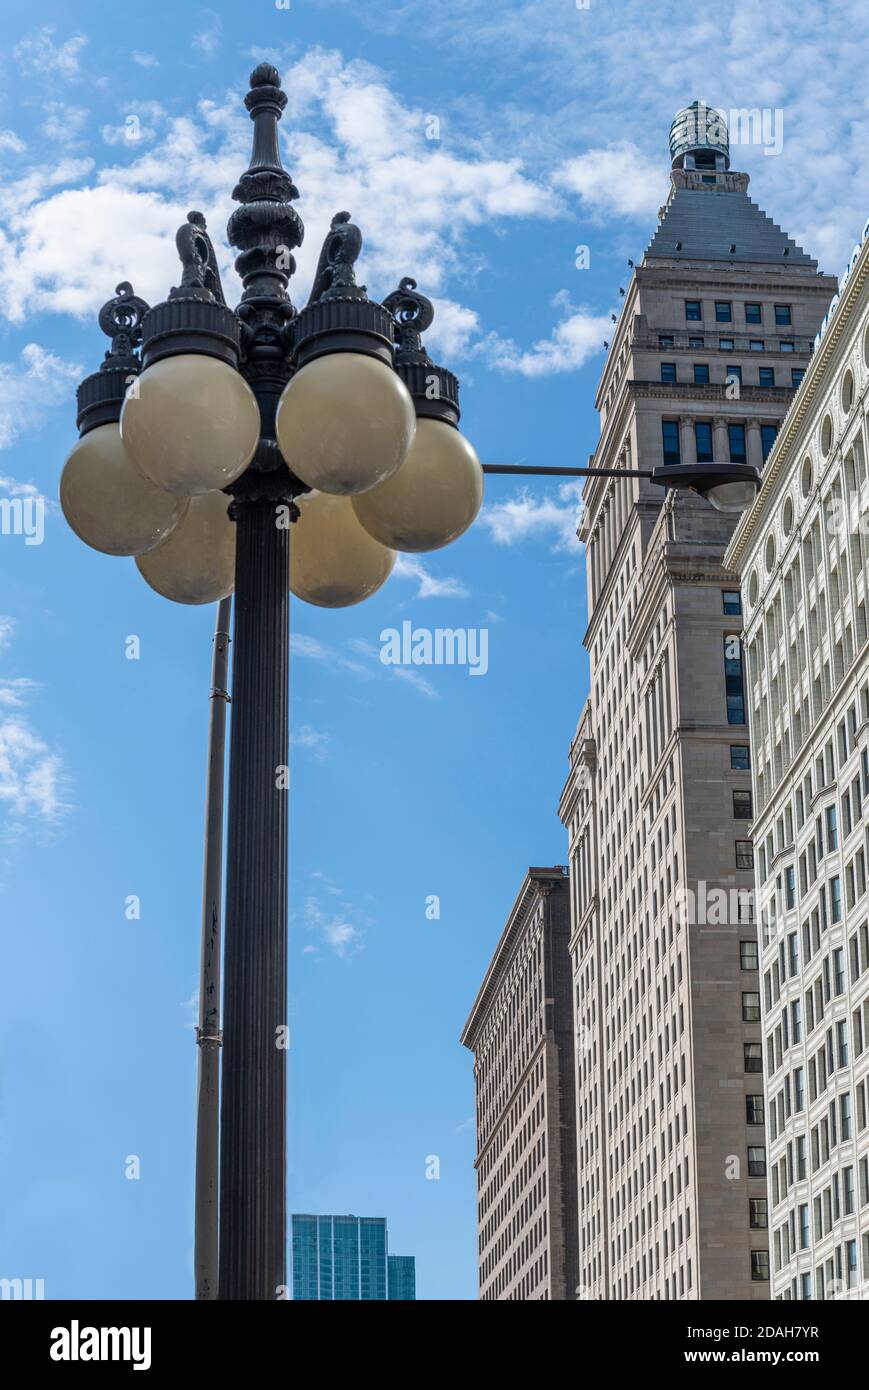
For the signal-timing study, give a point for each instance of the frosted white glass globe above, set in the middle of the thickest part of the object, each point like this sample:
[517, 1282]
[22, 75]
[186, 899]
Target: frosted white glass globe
[345, 423]
[196, 563]
[108, 503]
[333, 560]
[434, 497]
[191, 423]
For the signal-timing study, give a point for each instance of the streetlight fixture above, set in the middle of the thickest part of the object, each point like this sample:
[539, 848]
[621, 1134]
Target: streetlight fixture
[205, 434]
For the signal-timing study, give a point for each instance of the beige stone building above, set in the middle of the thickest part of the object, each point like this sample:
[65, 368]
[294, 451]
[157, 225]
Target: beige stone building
[715, 333]
[802, 552]
[520, 1031]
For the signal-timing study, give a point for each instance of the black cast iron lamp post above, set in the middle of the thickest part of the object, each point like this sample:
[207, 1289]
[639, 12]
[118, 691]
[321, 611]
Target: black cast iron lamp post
[203, 435]
[195, 457]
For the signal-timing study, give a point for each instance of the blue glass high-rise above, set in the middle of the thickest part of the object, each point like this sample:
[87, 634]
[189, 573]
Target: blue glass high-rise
[346, 1258]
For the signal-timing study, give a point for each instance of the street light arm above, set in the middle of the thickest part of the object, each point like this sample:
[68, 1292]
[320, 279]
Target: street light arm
[520, 469]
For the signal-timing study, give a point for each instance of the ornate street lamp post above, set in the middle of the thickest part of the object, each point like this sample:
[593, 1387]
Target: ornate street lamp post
[205, 434]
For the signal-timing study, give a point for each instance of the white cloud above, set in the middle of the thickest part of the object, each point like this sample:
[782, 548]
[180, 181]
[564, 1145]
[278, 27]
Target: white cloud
[11, 142]
[348, 142]
[417, 680]
[28, 387]
[313, 740]
[619, 181]
[579, 336]
[207, 39]
[40, 56]
[64, 123]
[32, 779]
[430, 585]
[145, 60]
[527, 517]
[454, 329]
[343, 931]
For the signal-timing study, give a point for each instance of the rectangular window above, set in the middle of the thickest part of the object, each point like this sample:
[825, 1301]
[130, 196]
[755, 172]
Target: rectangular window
[797, 374]
[756, 1161]
[693, 311]
[752, 313]
[760, 1266]
[754, 1110]
[752, 1057]
[696, 342]
[665, 340]
[783, 314]
[670, 432]
[703, 441]
[733, 373]
[740, 757]
[668, 371]
[733, 683]
[736, 439]
[750, 1006]
[767, 438]
[744, 854]
[766, 376]
[786, 345]
[701, 374]
[757, 1213]
[731, 600]
[742, 805]
[725, 344]
[832, 823]
[756, 344]
[748, 955]
[723, 312]
[836, 899]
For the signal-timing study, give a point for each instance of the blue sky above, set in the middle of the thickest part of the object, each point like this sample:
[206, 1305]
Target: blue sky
[552, 126]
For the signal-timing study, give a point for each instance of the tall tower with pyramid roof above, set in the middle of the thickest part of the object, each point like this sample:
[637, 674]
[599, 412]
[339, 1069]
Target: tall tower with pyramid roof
[716, 329]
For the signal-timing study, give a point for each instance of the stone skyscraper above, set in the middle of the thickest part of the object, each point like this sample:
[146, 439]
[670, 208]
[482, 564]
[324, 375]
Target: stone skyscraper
[520, 1031]
[803, 554]
[715, 333]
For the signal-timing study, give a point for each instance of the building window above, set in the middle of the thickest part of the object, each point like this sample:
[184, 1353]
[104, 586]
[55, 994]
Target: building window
[670, 431]
[733, 684]
[668, 371]
[732, 600]
[701, 374]
[756, 344]
[696, 342]
[797, 374]
[783, 314]
[754, 1110]
[748, 955]
[723, 312]
[703, 441]
[734, 373]
[740, 757]
[693, 311]
[742, 805]
[767, 438]
[757, 1213]
[736, 439]
[786, 345]
[725, 344]
[756, 1161]
[760, 1266]
[744, 854]
[752, 313]
[750, 1006]
[752, 1056]
[665, 340]
[766, 376]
